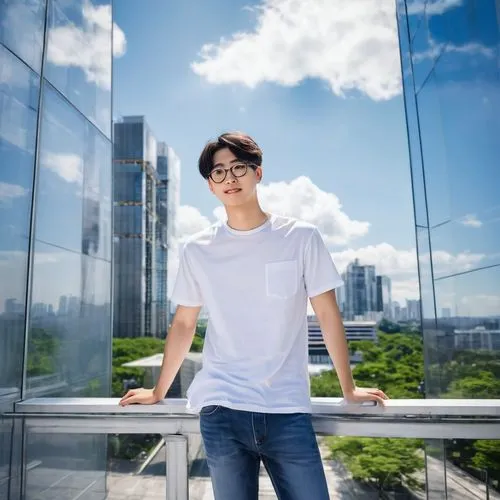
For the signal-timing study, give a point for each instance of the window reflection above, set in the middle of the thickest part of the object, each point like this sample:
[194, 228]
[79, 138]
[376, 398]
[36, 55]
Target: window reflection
[18, 115]
[69, 334]
[62, 158]
[79, 55]
[21, 29]
[96, 239]
[54, 319]
[92, 369]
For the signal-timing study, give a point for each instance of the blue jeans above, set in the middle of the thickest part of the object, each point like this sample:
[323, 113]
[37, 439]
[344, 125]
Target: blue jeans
[236, 442]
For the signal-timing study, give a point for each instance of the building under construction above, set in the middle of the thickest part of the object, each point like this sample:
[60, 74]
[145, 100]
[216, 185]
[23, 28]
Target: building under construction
[145, 178]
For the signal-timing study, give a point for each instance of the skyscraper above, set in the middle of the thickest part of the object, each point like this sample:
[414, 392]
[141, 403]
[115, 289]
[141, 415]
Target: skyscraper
[360, 291]
[146, 189]
[168, 200]
[413, 309]
[135, 241]
[384, 296]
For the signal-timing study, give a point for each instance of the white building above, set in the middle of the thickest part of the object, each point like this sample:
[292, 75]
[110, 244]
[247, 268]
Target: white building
[477, 338]
[355, 330]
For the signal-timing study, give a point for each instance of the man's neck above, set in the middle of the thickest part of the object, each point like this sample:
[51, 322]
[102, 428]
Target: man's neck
[245, 218]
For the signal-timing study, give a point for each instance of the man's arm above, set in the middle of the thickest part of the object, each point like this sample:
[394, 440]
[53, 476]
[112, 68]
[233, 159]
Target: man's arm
[332, 327]
[177, 345]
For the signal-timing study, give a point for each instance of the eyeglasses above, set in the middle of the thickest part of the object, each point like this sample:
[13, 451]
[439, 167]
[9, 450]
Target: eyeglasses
[219, 174]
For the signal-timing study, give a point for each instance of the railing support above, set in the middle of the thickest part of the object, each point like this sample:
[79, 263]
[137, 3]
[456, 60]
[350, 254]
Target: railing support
[176, 455]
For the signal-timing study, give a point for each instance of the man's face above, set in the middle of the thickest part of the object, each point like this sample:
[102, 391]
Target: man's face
[239, 178]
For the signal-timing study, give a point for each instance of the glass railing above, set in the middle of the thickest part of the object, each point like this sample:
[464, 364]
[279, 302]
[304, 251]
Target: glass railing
[93, 449]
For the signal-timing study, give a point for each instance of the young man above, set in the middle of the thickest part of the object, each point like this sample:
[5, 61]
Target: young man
[254, 273]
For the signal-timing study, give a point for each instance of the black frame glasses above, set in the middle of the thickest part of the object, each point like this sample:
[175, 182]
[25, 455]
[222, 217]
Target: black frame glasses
[235, 169]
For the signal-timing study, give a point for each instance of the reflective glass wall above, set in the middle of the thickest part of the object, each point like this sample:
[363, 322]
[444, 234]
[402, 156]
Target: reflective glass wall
[450, 54]
[55, 225]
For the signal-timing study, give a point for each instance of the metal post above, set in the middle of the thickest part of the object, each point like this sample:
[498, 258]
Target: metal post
[176, 455]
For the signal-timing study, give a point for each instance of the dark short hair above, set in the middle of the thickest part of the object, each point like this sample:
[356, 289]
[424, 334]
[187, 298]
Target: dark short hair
[240, 144]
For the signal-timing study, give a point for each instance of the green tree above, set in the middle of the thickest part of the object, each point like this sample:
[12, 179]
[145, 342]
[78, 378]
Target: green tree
[386, 463]
[388, 326]
[43, 352]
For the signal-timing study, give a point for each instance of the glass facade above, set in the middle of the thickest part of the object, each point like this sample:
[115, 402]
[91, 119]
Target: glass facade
[55, 227]
[142, 219]
[451, 84]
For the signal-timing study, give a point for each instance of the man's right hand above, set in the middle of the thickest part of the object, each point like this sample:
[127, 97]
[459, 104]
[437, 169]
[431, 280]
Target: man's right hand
[139, 396]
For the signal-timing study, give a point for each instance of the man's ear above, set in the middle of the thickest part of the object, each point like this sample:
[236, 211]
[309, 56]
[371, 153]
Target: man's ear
[210, 186]
[258, 173]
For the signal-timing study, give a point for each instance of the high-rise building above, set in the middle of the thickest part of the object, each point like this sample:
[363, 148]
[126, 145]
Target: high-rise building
[146, 197]
[135, 179]
[168, 201]
[360, 291]
[413, 309]
[384, 296]
[449, 58]
[55, 230]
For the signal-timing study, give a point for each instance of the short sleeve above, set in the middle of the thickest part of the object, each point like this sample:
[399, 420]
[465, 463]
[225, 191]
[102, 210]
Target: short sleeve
[320, 272]
[186, 289]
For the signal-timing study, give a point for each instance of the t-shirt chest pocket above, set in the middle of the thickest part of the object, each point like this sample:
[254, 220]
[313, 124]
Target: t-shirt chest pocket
[282, 278]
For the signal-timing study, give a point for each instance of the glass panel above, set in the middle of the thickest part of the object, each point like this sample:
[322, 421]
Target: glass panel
[438, 182]
[468, 98]
[92, 369]
[468, 367]
[6, 428]
[79, 56]
[412, 124]
[435, 468]
[96, 239]
[63, 154]
[55, 321]
[18, 115]
[21, 29]
[472, 468]
[468, 243]
[65, 466]
[415, 10]
[69, 337]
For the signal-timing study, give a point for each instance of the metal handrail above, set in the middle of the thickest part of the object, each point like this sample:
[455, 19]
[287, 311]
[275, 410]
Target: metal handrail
[404, 418]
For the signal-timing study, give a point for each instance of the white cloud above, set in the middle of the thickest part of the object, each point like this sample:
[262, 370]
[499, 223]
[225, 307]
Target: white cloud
[431, 7]
[472, 49]
[88, 46]
[11, 191]
[189, 222]
[479, 305]
[470, 220]
[469, 305]
[67, 166]
[401, 265]
[403, 290]
[302, 199]
[387, 259]
[350, 45]
[445, 263]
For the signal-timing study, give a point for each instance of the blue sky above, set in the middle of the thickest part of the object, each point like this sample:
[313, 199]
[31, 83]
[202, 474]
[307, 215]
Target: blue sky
[353, 146]
[318, 84]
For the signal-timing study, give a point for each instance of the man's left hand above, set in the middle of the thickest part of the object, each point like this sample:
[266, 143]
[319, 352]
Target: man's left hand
[363, 394]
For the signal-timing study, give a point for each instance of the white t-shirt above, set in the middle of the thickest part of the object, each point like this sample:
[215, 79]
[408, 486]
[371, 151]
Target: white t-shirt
[254, 285]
